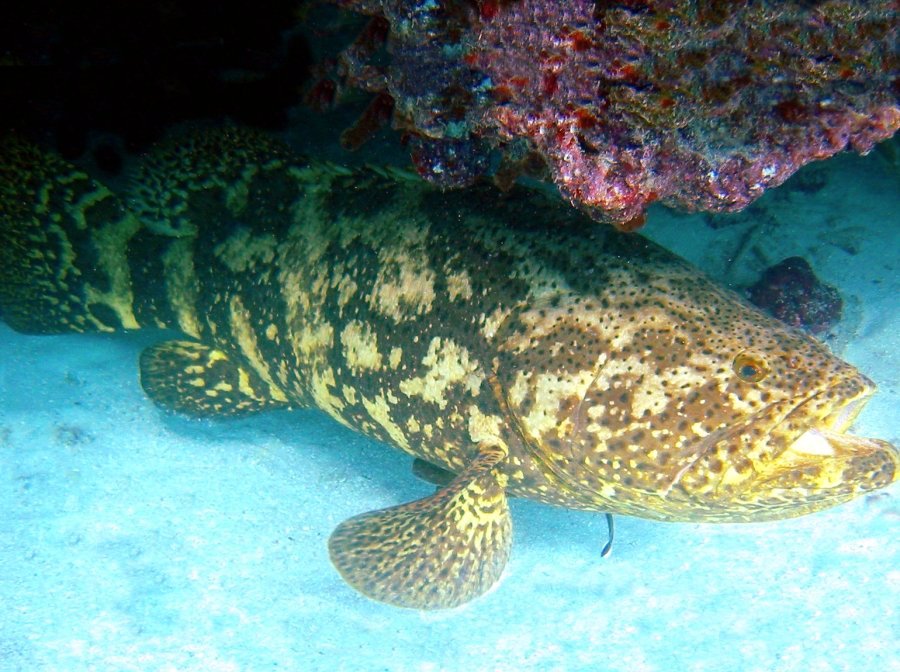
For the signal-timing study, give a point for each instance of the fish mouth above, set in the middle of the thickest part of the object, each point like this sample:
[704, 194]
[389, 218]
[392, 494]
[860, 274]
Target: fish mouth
[824, 464]
[818, 464]
[820, 443]
[829, 437]
[802, 461]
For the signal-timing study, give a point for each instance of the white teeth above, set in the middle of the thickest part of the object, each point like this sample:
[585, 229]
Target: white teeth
[813, 442]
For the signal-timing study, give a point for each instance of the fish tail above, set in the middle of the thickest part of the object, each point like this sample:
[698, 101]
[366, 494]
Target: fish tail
[63, 246]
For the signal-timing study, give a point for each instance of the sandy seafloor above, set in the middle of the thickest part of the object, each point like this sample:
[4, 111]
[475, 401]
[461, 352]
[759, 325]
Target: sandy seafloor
[133, 540]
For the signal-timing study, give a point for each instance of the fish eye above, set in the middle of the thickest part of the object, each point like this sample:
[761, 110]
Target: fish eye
[750, 368]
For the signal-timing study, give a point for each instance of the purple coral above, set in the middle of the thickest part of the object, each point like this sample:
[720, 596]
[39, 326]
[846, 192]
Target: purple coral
[790, 291]
[701, 105]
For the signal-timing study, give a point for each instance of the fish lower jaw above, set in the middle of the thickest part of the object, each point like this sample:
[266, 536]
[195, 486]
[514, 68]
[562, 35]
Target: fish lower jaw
[842, 461]
[820, 469]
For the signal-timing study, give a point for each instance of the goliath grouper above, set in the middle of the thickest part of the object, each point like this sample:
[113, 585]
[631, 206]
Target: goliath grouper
[507, 340]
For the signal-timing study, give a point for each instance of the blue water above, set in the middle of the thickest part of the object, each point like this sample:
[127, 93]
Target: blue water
[134, 540]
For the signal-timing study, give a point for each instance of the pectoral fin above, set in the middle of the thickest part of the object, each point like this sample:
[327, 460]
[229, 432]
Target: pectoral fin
[195, 379]
[434, 553]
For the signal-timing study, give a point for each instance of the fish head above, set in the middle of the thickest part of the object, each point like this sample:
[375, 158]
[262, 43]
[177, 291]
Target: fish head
[680, 401]
[774, 441]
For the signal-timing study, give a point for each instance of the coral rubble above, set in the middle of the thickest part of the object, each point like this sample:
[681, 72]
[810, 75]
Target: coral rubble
[699, 104]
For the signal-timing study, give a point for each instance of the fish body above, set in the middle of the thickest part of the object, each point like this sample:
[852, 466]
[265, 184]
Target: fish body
[506, 339]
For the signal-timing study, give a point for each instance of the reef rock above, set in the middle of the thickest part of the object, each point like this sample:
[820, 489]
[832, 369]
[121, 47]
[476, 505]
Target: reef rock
[702, 105]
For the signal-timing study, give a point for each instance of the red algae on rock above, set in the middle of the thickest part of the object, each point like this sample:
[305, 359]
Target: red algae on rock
[700, 105]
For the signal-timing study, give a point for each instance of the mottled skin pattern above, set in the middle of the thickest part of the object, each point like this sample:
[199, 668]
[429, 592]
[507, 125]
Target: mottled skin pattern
[587, 368]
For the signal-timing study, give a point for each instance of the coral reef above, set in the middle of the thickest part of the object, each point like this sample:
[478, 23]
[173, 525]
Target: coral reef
[699, 104]
[790, 291]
